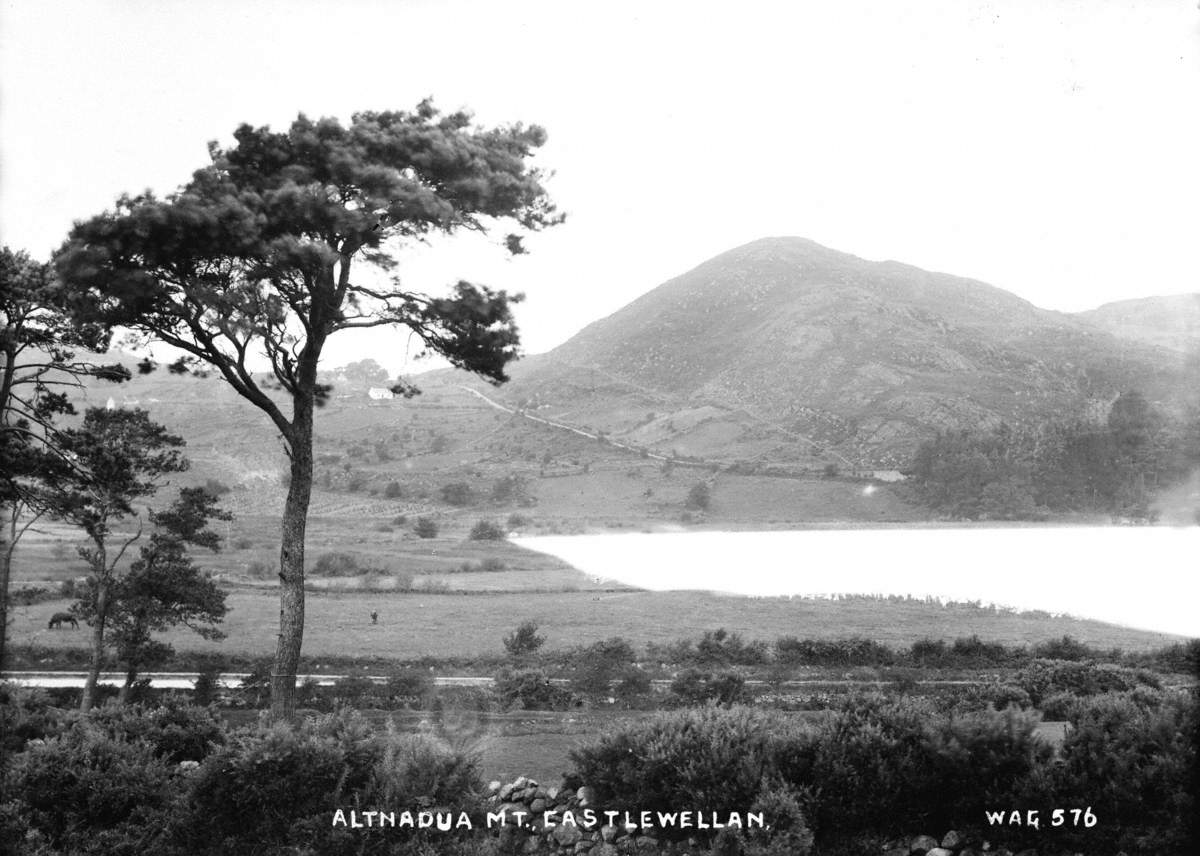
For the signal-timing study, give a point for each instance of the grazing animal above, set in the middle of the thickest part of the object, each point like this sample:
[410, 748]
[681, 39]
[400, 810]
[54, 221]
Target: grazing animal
[58, 619]
[374, 617]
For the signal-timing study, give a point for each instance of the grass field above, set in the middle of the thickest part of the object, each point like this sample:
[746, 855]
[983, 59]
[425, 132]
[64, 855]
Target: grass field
[415, 625]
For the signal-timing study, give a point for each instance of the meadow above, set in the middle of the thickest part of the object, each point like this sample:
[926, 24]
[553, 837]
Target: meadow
[416, 625]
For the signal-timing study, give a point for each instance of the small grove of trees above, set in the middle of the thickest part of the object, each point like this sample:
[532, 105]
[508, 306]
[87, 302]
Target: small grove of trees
[1009, 474]
[119, 457]
[288, 238]
[38, 368]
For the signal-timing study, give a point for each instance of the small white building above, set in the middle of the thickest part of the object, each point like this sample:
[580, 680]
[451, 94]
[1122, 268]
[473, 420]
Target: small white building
[379, 393]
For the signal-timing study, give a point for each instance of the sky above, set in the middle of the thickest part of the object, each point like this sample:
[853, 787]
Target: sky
[1048, 147]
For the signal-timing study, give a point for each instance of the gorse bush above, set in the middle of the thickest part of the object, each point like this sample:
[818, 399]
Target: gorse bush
[880, 768]
[833, 652]
[85, 792]
[337, 565]
[530, 689]
[1043, 678]
[273, 789]
[711, 758]
[696, 687]
[486, 530]
[1132, 763]
[173, 732]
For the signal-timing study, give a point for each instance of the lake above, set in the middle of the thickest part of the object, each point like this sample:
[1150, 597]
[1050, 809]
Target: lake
[1136, 576]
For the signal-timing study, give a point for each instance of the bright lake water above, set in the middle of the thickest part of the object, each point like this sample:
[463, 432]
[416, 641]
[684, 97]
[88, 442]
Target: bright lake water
[1143, 577]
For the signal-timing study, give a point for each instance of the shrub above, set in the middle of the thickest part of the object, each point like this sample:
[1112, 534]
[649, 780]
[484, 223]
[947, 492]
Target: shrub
[29, 595]
[712, 759]
[486, 530]
[719, 647]
[393, 490]
[25, 714]
[260, 569]
[524, 640]
[1132, 764]
[694, 687]
[517, 521]
[510, 489]
[411, 688]
[699, 498]
[173, 732]
[599, 664]
[457, 493]
[272, 788]
[892, 766]
[337, 565]
[425, 528]
[530, 689]
[1043, 678]
[1065, 648]
[400, 520]
[85, 792]
[632, 683]
[828, 652]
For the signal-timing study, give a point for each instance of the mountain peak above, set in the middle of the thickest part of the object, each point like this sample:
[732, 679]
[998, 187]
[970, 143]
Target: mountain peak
[783, 340]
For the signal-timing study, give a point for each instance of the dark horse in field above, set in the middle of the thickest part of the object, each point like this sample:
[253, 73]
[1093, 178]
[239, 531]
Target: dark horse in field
[58, 619]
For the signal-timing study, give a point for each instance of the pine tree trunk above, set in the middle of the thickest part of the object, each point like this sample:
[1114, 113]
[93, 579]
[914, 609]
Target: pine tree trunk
[291, 567]
[6, 551]
[88, 701]
[131, 673]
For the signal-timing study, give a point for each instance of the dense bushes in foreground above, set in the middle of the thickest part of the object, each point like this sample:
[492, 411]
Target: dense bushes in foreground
[175, 780]
[879, 768]
[110, 784]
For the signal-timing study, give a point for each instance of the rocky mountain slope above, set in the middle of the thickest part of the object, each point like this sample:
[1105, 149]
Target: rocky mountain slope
[1171, 322]
[784, 348]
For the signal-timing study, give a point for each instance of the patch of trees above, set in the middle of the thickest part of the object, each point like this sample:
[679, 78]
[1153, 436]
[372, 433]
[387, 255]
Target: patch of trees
[1115, 467]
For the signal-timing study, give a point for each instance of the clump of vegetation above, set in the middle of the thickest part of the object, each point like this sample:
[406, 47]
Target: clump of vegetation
[524, 640]
[425, 527]
[530, 689]
[699, 498]
[511, 489]
[486, 530]
[393, 490]
[695, 687]
[457, 493]
[337, 564]
[601, 664]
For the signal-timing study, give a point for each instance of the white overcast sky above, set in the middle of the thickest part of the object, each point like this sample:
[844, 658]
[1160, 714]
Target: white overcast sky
[1051, 148]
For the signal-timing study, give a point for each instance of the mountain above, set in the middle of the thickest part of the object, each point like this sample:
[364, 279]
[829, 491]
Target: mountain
[1171, 322]
[784, 349]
